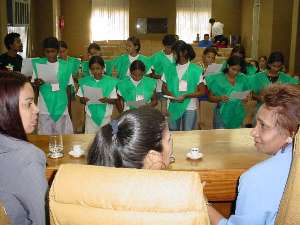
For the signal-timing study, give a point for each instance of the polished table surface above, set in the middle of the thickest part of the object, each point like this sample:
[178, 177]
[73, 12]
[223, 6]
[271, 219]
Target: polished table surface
[226, 154]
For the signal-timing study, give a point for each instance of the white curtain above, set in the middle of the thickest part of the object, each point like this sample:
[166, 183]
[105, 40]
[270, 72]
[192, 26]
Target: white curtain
[192, 18]
[110, 20]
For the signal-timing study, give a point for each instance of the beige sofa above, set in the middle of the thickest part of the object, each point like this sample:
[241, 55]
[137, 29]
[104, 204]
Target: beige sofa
[82, 194]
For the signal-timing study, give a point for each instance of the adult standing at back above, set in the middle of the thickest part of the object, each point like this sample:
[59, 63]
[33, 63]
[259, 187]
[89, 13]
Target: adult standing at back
[216, 30]
[23, 185]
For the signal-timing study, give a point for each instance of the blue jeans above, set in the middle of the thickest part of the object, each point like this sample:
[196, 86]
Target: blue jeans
[217, 120]
[186, 122]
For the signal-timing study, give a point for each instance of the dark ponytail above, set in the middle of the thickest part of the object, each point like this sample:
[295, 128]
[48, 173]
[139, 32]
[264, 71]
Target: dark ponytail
[126, 142]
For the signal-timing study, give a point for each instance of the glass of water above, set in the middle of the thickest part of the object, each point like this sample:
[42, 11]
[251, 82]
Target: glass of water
[56, 146]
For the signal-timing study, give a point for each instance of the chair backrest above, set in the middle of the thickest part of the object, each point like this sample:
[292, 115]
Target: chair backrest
[82, 194]
[4, 220]
[289, 213]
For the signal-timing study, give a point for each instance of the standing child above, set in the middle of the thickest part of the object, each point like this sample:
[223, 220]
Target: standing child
[247, 68]
[273, 74]
[230, 112]
[98, 113]
[136, 87]
[182, 81]
[162, 59]
[95, 50]
[122, 63]
[73, 63]
[54, 117]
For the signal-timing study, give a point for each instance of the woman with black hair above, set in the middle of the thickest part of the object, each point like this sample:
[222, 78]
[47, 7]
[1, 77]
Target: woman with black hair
[273, 74]
[23, 184]
[139, 138]
[183, 84]
[247, 68]
[229, 112]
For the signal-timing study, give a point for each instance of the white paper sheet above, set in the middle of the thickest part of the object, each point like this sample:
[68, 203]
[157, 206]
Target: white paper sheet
[239, 95]
[136, 104]
[169, 97]
[93, 94]
[47, 73]
[27, 68]
[213, 68]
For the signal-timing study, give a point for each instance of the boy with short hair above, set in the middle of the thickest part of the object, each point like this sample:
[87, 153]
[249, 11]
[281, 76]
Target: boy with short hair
[11, 60]
[54, 117]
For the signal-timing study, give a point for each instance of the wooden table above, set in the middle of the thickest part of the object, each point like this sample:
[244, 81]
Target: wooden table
[227, 153]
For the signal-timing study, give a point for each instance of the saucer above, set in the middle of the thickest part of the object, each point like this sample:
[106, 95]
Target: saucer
[194, 157]
[76, 155]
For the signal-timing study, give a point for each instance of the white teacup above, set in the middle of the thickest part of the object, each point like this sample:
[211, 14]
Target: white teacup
[77, 149]
[194, 152]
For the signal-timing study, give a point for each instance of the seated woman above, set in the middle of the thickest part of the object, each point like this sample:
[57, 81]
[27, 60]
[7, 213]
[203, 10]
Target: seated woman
[140, 138]
[23, 184]
[261, 187]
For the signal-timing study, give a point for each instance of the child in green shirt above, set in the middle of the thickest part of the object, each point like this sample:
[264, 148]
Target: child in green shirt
[162, 59]
[54, 116]
[137, 89]
[230, 111]
[95, 50]
[122, 63]
[183, 84]
[273, 74]
[98, 111]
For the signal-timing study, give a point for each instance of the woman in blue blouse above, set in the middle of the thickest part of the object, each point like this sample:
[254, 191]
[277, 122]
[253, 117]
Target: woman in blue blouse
[262, 186]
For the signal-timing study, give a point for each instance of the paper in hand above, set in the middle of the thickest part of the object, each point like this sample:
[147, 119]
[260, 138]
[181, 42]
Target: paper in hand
[93, 94]
[239, 95]
[212, 68]
[136, 104]
[47, 73]
[27, 68]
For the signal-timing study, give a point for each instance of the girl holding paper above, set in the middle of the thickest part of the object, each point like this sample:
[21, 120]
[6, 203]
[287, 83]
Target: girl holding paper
[99, 106]
[122, 63]
[182, 80]
[52, 76]
[136, 90]
[230, 110]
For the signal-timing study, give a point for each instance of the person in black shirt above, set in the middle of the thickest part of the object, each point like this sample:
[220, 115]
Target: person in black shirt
[11, 61]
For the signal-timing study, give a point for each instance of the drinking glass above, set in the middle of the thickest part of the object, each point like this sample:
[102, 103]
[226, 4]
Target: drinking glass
[56, 146]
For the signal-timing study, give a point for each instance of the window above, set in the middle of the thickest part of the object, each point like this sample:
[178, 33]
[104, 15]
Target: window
[192, 18]
[110, 20]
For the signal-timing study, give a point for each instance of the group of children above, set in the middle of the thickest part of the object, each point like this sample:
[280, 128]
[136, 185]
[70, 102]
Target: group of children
[132, 79]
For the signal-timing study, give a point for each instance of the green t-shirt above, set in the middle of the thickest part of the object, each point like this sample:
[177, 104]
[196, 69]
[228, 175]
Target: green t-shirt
[232, 112]
[107, 84]
[56, 101]
[129, 91]
[160, 61]
[260, 81]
